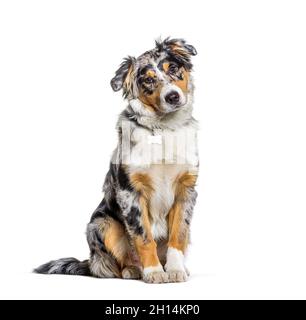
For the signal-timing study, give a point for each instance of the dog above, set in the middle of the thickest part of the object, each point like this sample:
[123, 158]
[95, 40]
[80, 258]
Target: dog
[141, 229]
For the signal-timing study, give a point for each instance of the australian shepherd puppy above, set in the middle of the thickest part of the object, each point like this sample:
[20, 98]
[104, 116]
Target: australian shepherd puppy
[141, 229]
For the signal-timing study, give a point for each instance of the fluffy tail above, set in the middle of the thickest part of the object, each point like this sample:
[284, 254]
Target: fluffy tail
[70, 266]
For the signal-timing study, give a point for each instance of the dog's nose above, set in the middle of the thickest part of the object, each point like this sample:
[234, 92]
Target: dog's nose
[172, 98]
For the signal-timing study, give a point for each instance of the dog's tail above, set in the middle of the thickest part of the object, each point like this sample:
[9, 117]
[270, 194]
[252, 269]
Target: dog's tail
[70, 266]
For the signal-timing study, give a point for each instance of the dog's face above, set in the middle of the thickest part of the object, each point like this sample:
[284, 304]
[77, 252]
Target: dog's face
[159, 78]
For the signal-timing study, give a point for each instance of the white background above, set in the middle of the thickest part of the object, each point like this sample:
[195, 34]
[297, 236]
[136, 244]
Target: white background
[57, 121]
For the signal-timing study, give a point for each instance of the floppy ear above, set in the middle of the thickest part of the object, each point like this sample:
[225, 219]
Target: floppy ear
[191, 49]
[124, 76]
[179, 49]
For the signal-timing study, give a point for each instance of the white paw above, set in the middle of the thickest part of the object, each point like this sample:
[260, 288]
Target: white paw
[175, 260]
[177, 276]
[156, 277]
[175, 267]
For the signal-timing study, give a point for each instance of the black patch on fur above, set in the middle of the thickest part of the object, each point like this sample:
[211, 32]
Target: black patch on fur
[133, 220]
[99, 212]
[183, 58]
[123, 179]
[148, 88]
[105, 209]
[95, 238]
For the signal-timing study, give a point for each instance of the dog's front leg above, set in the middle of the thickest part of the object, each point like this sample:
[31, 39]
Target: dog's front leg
[178, 241]
[135, 208]
[178, 225]
[146, 247]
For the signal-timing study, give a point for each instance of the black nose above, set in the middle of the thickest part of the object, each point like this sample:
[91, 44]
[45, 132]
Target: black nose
[172, 98]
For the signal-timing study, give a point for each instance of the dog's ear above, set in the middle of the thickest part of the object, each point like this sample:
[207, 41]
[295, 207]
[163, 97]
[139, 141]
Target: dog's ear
[179, 49]
[124, 76]
[180, 46]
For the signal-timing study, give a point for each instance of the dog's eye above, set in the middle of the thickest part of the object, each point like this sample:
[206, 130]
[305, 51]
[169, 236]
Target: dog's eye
[173, 69]
[149, 80]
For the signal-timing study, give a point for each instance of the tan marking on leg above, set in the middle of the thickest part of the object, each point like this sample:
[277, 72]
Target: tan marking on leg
[143, 184]
[116, 242]
[182, 183]
[178, 231]
[178, 235]
[145, 245]
[147, 253]
[147, 249]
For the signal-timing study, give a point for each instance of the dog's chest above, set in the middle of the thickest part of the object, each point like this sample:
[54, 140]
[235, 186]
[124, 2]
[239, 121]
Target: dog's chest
[163, 156]
[162, 198]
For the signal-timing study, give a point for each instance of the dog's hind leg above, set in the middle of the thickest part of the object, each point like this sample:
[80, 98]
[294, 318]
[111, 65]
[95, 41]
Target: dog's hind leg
[111, 253]
[118, 244]
[101, 263]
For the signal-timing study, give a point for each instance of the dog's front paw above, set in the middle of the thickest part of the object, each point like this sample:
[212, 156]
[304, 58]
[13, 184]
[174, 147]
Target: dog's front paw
[156, 277]
[175, 267]
[177, 276]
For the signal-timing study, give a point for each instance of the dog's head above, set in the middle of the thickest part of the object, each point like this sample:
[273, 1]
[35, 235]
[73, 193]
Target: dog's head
[159, 78]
